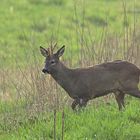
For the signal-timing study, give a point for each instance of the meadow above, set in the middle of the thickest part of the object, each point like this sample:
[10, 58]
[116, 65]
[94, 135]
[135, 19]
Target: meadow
[32, 105]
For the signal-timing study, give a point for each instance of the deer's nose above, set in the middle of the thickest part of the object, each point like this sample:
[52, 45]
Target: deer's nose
[44, 71]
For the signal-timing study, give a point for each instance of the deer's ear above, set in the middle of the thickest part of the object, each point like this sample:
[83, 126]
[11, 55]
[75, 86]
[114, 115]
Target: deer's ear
[61, 51]
[44, 52]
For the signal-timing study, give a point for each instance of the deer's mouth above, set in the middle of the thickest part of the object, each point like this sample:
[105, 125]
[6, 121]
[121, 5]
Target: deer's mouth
[45, 71]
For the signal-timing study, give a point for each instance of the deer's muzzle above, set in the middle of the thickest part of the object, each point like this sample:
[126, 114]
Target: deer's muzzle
[45, 71]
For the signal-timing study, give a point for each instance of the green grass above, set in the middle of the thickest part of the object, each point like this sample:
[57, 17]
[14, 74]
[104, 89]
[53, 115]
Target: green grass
[102, 122]
[27, 24]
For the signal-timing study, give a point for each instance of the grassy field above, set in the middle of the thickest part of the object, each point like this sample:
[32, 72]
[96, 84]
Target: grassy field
[95, 122]
[27, 24]
[33, 106]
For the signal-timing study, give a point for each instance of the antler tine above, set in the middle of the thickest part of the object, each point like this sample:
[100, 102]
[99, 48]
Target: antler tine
[55, 45]
[51, 49]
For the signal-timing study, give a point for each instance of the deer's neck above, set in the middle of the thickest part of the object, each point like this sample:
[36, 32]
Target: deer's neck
[63, 76]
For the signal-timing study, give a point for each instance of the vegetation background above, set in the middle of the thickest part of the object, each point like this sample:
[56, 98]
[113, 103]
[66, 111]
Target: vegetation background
[33, 106]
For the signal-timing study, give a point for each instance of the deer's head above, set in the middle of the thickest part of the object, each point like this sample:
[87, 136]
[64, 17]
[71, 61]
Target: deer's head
[52, 62]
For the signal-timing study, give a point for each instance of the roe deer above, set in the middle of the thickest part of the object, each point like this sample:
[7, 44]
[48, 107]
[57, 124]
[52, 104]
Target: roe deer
[84, 84]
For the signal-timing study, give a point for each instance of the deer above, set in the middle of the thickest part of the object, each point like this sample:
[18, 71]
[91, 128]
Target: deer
[119, 77]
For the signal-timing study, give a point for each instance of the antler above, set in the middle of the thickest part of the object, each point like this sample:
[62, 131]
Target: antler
[52, 47]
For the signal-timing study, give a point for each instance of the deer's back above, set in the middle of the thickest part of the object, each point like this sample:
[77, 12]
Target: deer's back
[103, 78]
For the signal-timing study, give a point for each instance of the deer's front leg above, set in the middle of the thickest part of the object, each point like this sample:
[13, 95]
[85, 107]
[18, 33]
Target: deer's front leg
[83, 102]
[74, 104]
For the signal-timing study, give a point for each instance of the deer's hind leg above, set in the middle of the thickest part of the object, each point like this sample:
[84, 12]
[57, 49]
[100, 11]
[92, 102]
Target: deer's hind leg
[131, 88]
[120, 99]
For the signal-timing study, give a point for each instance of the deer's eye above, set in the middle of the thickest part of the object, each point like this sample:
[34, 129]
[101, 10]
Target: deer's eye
[53, 62]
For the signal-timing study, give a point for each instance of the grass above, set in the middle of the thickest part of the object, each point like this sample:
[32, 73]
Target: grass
[93, 32]
[27, 24]
[103, 122]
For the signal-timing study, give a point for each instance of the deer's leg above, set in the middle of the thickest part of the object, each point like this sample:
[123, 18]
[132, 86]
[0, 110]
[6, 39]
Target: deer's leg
[74, 104]
[120, 99]
[83, 102]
